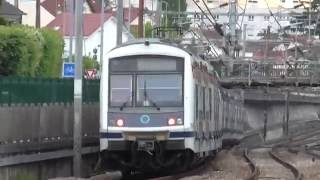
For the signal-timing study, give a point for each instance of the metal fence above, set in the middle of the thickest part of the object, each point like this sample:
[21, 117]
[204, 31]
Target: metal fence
[14, 90]
[270, 71]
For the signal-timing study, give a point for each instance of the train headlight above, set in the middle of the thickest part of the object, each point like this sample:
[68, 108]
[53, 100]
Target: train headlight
[120, 122]
[171, 121]
[179, 121]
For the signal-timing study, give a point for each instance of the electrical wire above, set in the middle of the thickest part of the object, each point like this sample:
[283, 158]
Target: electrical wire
[216, 25]
[205, 4]
[213, 23]
[243, 13]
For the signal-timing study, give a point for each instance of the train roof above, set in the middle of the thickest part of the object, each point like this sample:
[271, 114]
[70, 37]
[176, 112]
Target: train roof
[154, 41]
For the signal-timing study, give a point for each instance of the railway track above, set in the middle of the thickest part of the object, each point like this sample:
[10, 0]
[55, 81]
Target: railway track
[268, 164]
[198, 170]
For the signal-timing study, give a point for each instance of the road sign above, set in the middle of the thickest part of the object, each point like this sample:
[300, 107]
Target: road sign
[68, 70]
[91, 74]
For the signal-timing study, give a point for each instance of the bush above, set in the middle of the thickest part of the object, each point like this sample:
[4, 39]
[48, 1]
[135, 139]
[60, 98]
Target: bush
[51, 63]
[89, 63]
[20, 50]
[30, 52]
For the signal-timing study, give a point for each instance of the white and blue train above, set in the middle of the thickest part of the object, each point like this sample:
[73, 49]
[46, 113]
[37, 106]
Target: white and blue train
[161, 106]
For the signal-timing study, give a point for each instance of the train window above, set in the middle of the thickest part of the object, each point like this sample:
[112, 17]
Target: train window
[162, 90]
[120, 90]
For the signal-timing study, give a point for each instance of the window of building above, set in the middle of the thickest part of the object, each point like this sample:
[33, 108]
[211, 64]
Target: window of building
[266, 18]
[251, 18]
[253, 1]
[209, 1]
[283, 1]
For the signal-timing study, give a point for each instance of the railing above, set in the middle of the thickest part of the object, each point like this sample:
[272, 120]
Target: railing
[14, 90]
[270, 72]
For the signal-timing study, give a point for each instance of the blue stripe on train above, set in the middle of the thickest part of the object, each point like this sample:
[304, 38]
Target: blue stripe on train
[185, 134]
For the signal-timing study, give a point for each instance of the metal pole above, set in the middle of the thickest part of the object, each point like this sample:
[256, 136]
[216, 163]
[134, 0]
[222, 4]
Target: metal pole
[102, 32]
[287, 114]
[38, 14]
[265, 114]
[179, 11]
[295, 45]
[233, 24]
[166, 14]
[158, 13]
[119, 21]
[249, 75]
[71, 30]
[309, 32]
[129, 17]
[77, 131]
[244, 40]
[140, 22]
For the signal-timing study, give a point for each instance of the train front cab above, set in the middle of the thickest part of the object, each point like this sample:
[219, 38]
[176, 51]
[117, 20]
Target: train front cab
[144, 100]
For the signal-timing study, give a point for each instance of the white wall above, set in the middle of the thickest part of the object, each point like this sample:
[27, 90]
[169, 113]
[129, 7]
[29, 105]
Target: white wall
[93, 41]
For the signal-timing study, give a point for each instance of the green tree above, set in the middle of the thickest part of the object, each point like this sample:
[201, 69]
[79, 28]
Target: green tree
[20, 50]
[30, 52]
[51, 62]
[90, 63]
[148, 30]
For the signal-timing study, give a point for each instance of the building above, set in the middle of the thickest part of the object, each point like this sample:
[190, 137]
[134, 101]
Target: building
[49, 9]
[91, 33]
[10, 12]
[253, 14]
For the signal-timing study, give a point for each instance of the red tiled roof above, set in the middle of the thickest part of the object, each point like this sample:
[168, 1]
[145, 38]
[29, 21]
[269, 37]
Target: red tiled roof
[91, 22]
[53, 6]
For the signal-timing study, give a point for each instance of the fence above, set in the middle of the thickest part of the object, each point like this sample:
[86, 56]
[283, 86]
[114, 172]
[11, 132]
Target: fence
[15, 90]
[269, 71]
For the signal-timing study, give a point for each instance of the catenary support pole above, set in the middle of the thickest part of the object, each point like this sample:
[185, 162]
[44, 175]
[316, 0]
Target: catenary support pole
[38, 14]
[119, 22]
[71, 30]
[77, 131]
[287, 113]
[102, 32]
[140, 22]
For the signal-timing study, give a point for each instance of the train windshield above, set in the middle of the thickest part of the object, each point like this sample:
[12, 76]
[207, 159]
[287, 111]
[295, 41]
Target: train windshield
[161, 90]
[137, 81]
[121, 90]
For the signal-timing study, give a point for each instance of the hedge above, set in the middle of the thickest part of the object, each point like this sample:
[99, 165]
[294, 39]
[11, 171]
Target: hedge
[29, 52]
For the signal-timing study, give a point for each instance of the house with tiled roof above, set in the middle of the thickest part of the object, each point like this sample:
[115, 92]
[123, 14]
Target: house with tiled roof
[10, 12]
[91, 32]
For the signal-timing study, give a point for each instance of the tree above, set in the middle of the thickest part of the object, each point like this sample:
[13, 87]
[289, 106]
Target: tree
[148, 30]
[90, 63]
[51, 62]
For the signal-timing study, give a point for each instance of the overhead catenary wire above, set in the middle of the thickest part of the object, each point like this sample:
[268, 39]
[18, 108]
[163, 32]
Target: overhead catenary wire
[198, 37]
[216, 26]
[205, 4]
[243, 14]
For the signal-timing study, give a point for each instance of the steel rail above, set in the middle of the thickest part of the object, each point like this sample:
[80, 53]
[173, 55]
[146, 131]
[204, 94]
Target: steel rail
[254, 169]
[297, 174]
